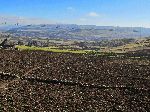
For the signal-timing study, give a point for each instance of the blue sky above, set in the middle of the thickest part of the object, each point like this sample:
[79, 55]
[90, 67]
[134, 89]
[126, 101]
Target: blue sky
[97, 12]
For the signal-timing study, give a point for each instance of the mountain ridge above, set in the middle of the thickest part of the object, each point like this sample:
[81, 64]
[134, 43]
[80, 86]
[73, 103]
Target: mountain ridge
[79, 32]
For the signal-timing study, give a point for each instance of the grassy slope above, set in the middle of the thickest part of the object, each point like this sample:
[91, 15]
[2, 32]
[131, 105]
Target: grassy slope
[119, 49]
[126, 48]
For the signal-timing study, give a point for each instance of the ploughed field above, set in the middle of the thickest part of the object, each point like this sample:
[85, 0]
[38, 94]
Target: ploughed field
[38, 81]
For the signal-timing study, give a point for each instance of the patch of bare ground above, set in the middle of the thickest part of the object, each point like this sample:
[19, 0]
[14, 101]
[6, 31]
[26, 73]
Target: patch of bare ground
[2, 85]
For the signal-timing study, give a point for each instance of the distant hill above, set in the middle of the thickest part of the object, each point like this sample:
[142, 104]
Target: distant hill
[8, 27]
[80, 32]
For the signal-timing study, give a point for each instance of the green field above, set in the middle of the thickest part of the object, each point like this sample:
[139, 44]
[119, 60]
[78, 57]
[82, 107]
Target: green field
[53, 49]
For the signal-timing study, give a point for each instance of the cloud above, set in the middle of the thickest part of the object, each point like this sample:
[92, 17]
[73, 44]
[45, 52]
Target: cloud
[82, 19]
[10, 20]
[70, 8]
[93, 14]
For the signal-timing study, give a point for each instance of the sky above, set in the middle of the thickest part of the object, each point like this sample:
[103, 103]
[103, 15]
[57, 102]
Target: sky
[87, 12]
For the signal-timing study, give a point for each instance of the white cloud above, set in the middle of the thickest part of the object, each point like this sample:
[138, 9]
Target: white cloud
[10, 20]
[82, 19]
[70, 8]
[93, 14]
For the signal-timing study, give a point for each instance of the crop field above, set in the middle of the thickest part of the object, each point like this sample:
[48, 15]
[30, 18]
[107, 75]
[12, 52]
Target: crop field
[41, 81]
[53, 49]
[142, 44]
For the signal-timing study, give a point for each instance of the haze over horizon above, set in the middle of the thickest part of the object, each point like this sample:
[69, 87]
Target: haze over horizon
[126, 13]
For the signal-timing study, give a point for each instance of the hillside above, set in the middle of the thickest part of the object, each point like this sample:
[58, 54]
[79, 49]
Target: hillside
[79, 32]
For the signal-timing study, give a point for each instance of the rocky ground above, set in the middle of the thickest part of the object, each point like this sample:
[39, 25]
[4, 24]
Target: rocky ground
[33, 81]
